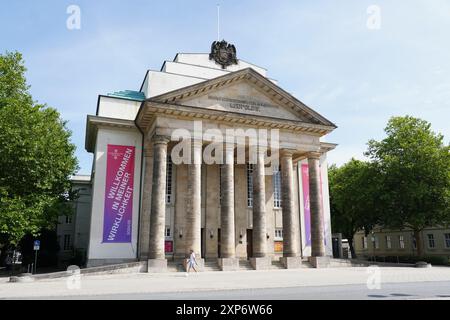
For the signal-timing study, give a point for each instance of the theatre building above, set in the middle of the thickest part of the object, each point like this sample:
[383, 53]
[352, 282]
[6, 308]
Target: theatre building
[156, 195]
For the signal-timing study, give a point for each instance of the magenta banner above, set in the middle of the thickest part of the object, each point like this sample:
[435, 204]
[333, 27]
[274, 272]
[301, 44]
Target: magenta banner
[306, 206]
[118, 212]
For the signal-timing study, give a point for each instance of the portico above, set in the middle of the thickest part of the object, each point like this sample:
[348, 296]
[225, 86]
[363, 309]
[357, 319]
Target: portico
[259, 194]
[162, 116]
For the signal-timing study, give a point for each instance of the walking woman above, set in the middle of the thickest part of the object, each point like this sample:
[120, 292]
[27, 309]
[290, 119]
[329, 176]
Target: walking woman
[192, 262]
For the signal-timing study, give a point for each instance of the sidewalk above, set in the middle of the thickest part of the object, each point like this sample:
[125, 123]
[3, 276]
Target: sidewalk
[180, 282]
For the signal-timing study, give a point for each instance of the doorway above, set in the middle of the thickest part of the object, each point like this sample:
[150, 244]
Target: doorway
[249, 243]
[218, 243]
[202, 242]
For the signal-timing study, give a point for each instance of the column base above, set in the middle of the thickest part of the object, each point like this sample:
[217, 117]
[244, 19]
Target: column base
[320, 262]
[291, 262]
[228, 264]
[263, 263]
[157, 265]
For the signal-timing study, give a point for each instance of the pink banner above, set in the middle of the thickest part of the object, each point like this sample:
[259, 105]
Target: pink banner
[306, 204]
[118, 211]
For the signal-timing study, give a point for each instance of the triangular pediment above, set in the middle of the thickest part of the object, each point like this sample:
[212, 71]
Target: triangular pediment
[246, 92]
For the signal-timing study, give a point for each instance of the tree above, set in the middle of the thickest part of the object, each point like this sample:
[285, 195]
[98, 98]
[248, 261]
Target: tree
[414, 167]
[37, 158]
[354, 197]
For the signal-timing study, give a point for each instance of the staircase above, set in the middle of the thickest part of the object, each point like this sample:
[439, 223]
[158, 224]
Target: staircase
[245, 265]
[211, 265]
[175, 266]
[277, 265]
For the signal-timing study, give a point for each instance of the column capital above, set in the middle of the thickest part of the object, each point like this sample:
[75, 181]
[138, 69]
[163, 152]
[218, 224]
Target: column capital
[313, 155]
[160, 139]
[286, 153]
[196, 142]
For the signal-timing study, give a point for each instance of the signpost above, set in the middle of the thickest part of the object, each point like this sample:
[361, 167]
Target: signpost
[36, 247]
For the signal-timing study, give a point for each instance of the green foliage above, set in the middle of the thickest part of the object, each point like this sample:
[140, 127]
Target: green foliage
[353, 197]
[414, 166]
[36, 160]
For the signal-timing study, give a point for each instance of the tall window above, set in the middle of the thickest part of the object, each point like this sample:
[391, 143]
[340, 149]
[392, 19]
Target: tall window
[376, 242]
[249, 185]
[431, 242]
[388, 242]
[364, 242]
[277, 188]
[169, 180]
[68, 219]
[401, 242]
[67, 242]
[414, 242]
[168, 232]
[447, 240]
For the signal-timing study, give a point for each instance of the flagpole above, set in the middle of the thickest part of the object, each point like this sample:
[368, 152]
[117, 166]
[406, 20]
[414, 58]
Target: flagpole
[218, 22]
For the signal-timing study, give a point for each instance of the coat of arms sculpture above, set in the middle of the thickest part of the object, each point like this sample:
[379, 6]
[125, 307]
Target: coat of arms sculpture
[223, 53]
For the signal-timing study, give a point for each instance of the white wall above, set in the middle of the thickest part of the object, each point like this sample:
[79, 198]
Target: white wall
[118, 108]
[202, 59]
[97, 249]
[161, 82]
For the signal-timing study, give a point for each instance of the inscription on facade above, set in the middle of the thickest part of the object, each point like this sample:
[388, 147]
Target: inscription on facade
[238, 104]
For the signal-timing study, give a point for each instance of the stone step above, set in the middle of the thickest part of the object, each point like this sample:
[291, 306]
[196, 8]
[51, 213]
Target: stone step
[277, 265]
[245, 265]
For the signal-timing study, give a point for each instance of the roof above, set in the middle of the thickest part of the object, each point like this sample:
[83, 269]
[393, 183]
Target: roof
[128, 94]
[251, 75]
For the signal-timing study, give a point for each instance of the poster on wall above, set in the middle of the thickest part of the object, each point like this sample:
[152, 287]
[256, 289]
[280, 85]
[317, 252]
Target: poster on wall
[118, 212]
[306, 204]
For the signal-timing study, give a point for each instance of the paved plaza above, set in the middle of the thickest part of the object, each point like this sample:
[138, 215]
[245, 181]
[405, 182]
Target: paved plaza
[281, 283]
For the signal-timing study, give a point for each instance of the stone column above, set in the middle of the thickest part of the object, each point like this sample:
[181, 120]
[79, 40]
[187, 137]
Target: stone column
[259, 259]
[227, 260]
[291, 230]
[316, 209]
[193, 206]
[144, 221]
[156, 254]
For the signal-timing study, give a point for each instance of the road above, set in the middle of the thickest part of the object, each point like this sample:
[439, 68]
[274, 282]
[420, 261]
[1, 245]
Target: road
[388, 291]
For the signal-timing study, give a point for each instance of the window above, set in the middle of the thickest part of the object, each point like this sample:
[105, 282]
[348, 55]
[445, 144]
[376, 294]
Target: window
[388, 242]
[447, 240]
[401, 242]
[376, 242]
[414, 242]
[67, 243]
[249, 185]
[168, 232]
[68, 219]
[169, 180]
[431, 243]
[277, 188]
[278, 234]
[364, 242]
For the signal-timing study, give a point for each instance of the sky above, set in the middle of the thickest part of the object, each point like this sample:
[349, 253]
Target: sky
[356, 62]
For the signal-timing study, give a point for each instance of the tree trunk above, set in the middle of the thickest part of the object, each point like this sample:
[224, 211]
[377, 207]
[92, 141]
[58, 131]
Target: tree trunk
[352, 248]
[419, 243]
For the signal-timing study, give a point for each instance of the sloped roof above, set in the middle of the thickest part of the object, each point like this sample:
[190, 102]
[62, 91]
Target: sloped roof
[128, 94]
[264, 84]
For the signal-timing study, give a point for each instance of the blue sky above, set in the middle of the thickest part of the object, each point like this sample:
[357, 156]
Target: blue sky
[320, 51]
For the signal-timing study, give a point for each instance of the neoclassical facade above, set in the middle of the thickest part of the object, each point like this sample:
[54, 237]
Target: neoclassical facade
[157, 195]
